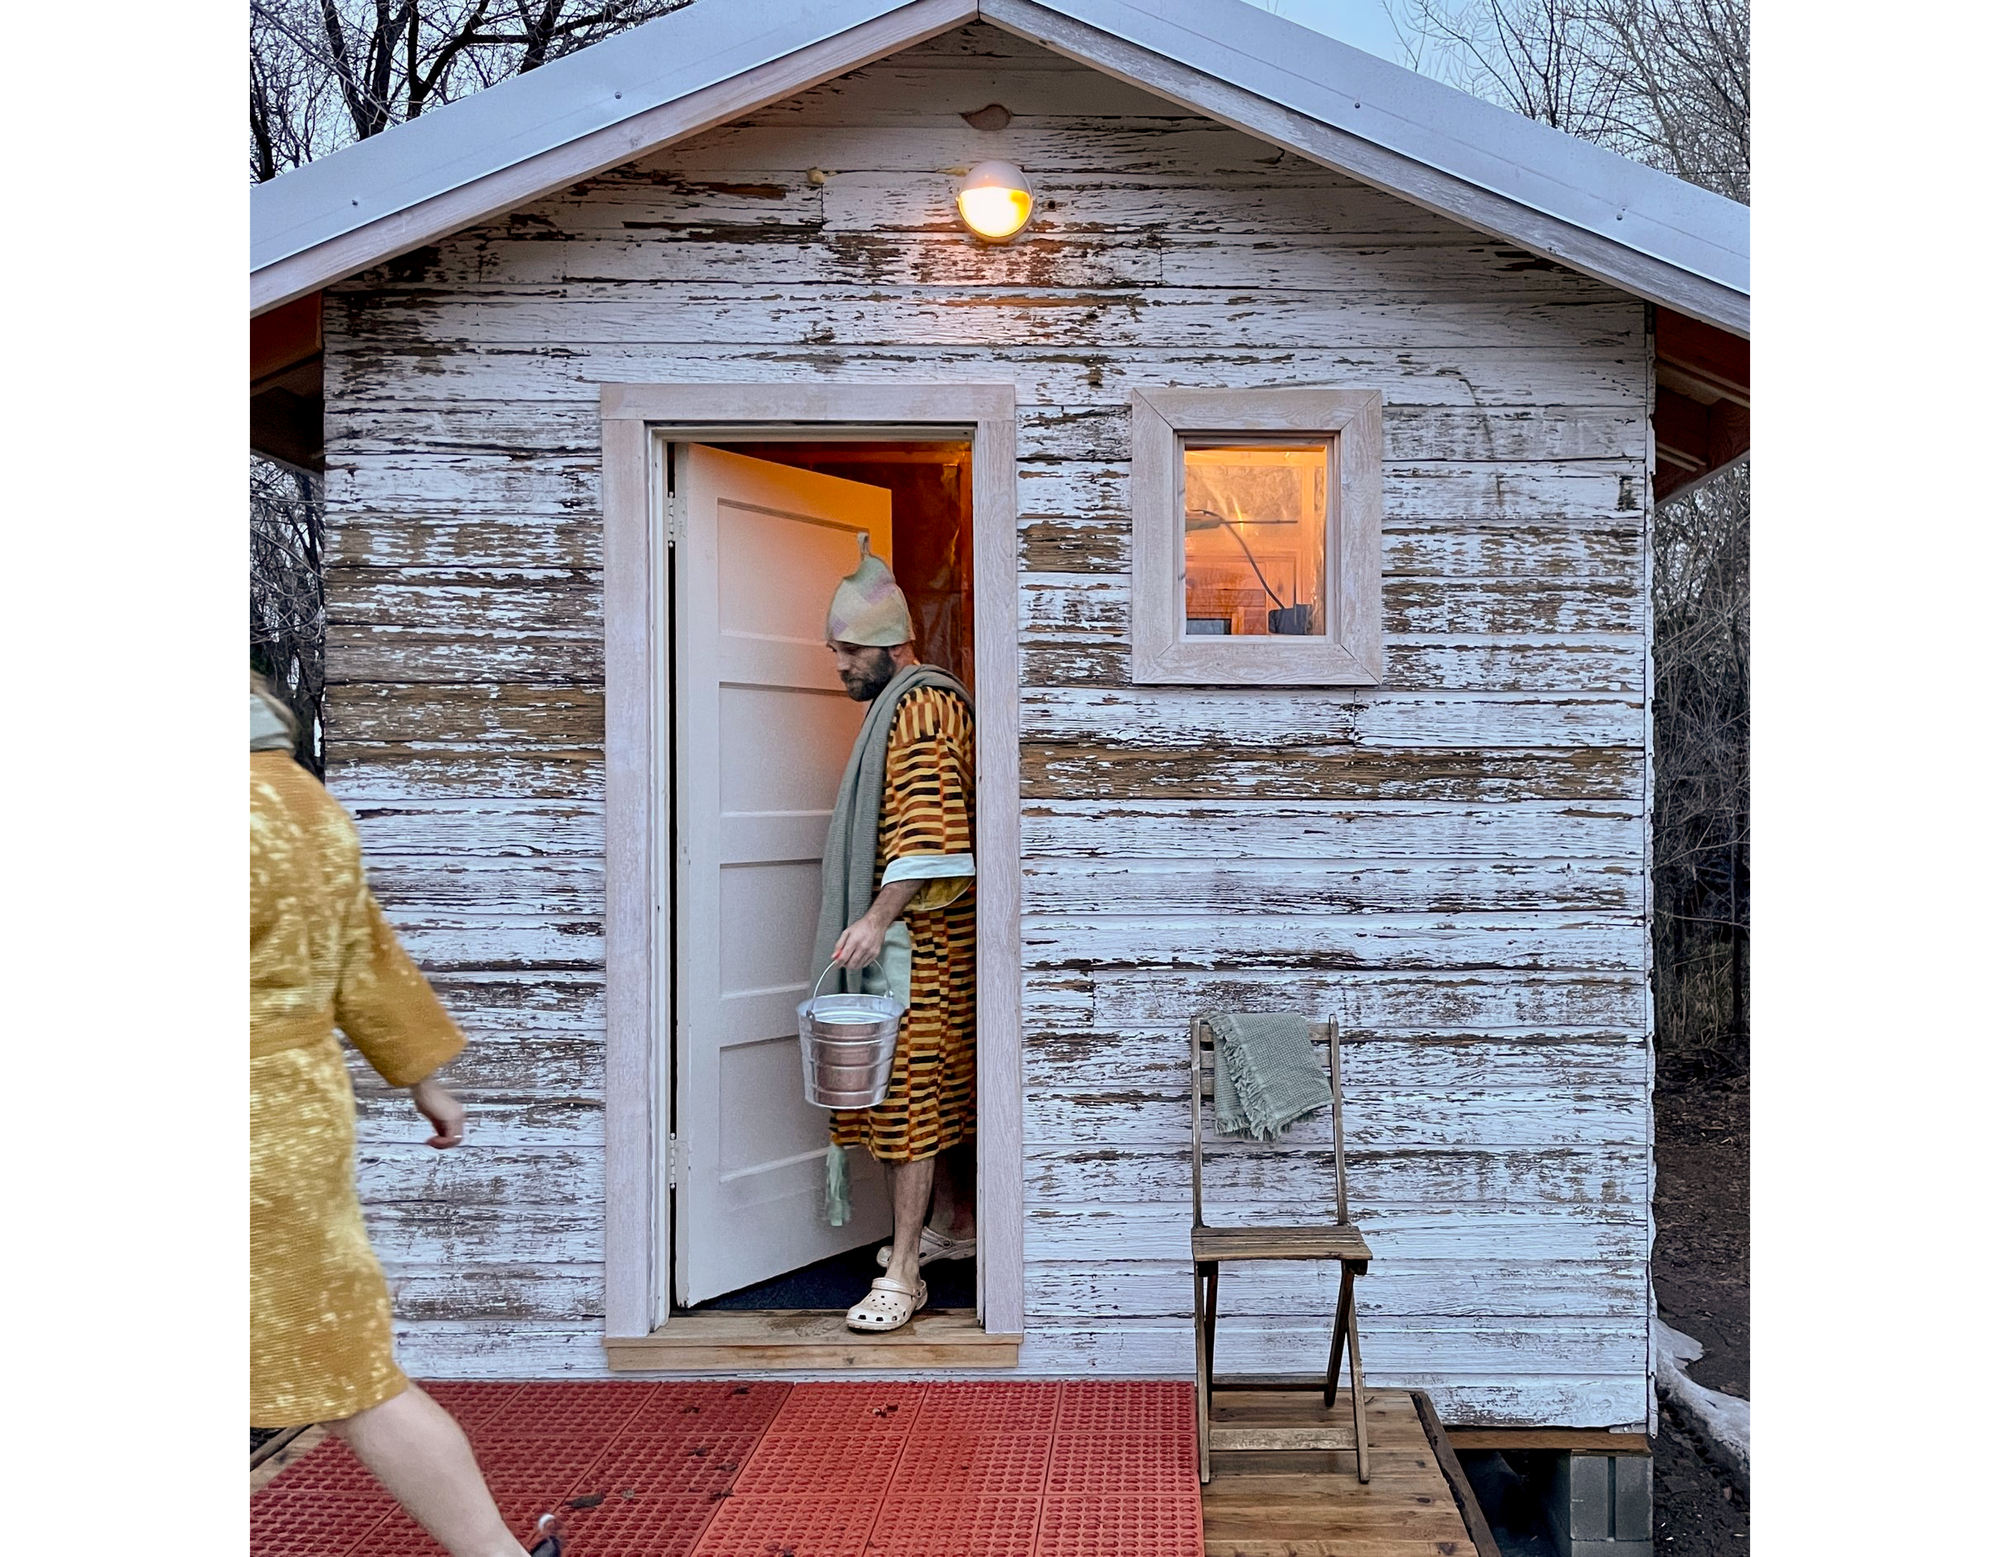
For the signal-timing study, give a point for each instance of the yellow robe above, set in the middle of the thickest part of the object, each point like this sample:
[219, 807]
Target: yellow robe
[321, 954]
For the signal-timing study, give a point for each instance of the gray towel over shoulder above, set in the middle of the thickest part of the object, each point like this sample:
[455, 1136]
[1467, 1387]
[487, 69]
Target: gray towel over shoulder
[847, 869]
[1267, 1077]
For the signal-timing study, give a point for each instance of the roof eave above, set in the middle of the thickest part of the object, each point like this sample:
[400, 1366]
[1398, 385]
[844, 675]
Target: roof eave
[1575, 204]
[724, 88]
[1704, 285]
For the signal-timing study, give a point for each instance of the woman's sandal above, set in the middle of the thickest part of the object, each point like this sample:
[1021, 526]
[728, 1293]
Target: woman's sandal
[934, 1245]
[889, 1305]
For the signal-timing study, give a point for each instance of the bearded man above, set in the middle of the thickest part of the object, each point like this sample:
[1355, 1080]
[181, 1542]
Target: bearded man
[897, 915]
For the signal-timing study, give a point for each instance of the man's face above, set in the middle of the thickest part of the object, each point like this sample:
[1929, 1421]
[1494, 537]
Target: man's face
[864, 671]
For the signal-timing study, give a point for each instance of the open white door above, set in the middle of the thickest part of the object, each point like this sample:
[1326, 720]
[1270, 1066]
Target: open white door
[763, 729]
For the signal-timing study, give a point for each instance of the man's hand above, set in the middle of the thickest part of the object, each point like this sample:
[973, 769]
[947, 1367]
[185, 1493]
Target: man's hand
[445, 1112]
[861, 942]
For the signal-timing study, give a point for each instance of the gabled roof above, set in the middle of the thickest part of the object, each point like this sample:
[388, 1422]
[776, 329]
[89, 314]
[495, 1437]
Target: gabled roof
[717, 60]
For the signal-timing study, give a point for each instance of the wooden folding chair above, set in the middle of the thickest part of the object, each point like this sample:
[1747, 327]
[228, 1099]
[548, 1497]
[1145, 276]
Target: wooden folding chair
[1338, 1240]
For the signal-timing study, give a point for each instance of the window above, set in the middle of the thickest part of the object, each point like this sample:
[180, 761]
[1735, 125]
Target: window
[1256, 537]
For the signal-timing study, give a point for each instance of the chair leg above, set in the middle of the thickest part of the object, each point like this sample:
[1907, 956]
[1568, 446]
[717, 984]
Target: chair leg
[1343, 1316]
[1354, 1370]
[1208, 1325]
[1204, 1361]
[1201, 1377]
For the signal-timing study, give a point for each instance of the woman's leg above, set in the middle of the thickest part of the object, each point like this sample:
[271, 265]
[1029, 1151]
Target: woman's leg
[418, 1452]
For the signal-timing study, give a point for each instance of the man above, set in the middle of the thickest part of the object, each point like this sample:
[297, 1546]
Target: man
[896, 912]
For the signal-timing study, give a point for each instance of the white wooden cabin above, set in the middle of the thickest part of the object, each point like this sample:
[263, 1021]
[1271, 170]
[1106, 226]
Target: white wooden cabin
[735, 225]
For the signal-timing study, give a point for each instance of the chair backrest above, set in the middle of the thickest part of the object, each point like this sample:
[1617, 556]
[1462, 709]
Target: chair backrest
[1201, 1075]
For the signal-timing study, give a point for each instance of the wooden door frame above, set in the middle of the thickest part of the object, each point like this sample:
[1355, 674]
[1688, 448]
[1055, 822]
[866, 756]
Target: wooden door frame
[636, 420]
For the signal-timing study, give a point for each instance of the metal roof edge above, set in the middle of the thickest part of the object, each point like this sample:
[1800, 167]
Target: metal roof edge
[595, 88]
[1480, 143]
[1538, 173]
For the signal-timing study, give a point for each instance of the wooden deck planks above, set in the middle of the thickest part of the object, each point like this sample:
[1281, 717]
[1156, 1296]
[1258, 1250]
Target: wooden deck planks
[1310, 1504]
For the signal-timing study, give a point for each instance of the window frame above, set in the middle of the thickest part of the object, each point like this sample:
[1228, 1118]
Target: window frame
[1350, 653]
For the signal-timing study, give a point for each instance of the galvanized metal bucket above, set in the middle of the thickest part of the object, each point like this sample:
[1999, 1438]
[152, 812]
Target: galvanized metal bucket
[847, 1044]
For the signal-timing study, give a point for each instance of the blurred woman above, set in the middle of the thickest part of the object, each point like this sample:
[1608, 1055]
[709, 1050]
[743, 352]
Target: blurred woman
[321, 956]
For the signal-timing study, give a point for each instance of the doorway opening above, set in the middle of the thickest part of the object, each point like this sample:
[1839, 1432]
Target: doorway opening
[766, 526]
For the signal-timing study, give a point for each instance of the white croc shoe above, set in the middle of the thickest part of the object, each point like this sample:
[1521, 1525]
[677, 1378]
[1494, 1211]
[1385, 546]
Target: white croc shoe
[889, 1305]
[934, 1246]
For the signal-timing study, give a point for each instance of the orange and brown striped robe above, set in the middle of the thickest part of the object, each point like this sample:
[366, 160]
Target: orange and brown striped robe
[927, 816]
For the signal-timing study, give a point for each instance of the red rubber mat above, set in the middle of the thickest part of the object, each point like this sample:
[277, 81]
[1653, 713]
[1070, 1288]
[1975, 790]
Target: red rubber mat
[717, 1469]
[790, 1462]
[720, 1406]
[956, 1527]
[996, 1408]
[957, 1463]
[1162, 1408]
[804, 1524]
[1124, 1464]
[307, 1520]
[848, 1410]
[1119, 1527]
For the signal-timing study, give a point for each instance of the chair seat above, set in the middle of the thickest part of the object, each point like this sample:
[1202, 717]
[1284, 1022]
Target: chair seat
[1324, 1242]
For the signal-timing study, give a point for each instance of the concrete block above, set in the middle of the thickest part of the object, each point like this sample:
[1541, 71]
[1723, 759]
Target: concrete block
[1601, 1505]
[1579, 1500]
[1632, 1497]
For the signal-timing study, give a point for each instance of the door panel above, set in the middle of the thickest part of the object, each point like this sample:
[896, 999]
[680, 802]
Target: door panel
[763, 729]
[771, 911]
[776, 745]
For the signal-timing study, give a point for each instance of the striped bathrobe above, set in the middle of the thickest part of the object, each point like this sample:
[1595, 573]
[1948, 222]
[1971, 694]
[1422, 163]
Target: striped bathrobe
[926, 834]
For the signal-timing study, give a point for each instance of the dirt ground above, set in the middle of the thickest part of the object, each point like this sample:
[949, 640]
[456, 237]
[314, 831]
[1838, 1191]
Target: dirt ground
[1701, 1273]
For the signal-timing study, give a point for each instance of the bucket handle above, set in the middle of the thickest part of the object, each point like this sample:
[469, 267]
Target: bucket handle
[874, 963]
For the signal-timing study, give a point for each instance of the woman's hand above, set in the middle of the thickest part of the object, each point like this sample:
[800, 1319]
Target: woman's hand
[445, 1112]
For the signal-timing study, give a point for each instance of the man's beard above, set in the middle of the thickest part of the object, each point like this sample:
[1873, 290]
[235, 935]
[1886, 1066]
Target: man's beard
[865, 683]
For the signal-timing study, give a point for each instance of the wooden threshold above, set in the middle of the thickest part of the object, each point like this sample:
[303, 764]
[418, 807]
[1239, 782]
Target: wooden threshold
[747, 1340]
[1577, 1440]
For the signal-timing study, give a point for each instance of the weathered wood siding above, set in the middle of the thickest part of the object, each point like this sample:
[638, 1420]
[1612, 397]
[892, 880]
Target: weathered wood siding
[1452, 864]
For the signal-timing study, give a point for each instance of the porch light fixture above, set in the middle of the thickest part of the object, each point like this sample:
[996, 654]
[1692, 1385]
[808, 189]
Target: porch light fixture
[995, 201]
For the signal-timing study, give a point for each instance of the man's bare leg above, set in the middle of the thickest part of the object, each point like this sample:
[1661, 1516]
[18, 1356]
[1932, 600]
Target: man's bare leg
[954, 1202]
[418, 1452]
[910, 1203]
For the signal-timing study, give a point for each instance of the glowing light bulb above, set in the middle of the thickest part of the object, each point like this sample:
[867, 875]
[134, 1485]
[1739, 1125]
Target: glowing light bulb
[996, 200]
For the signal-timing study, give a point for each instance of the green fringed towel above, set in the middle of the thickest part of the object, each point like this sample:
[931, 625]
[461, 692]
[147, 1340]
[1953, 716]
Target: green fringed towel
[839, 1203]
[1267, 1077]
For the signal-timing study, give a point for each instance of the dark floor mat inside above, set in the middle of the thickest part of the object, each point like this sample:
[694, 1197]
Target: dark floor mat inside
[842, 1281]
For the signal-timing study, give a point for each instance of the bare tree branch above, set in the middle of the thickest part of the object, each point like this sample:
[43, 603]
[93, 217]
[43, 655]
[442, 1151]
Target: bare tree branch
[325, 73]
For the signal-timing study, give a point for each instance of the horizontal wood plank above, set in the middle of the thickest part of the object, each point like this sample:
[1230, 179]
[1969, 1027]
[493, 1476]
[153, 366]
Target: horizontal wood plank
[361, 368]
[1141, 1172]
[1076, 830]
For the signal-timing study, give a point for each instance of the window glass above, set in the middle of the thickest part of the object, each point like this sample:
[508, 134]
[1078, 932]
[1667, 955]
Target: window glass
[1254, 550]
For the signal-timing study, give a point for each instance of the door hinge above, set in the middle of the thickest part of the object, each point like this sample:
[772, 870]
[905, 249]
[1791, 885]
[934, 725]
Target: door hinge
[675, 1166]
[676, 518]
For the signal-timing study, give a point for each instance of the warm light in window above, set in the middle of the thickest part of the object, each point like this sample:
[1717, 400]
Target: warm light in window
[1254, 522]
[996, 200]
